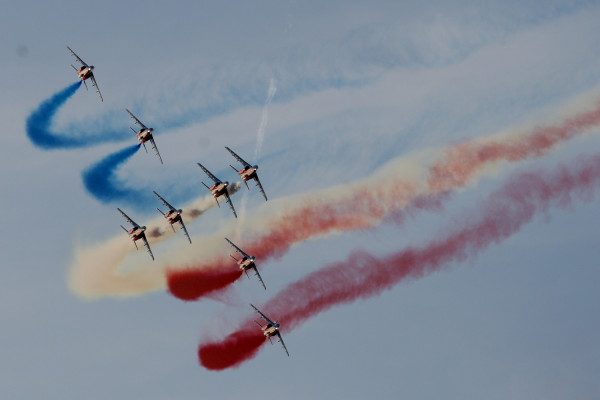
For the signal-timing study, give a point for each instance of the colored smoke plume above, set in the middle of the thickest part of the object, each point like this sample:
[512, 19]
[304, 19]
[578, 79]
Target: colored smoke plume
[369, 203]
[363, 275]
[233, 350]
[272, 228]
[114, 267]
[101, 182]
[38, 124]
[193, 283]
[462, 162]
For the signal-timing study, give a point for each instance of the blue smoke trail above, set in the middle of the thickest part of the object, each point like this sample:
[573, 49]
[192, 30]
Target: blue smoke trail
[100, 181]
[38, 126]
[38, 123]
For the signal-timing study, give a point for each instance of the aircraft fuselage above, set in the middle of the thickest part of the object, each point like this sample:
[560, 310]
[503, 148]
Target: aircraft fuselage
[144, 135]
[218, 189]
[136, 233]
[270, 330]
[84, 73]
[173, 216]
[247, 174]
[246, 263]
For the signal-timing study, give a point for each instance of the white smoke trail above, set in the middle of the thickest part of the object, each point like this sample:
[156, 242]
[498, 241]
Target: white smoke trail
[264, 118]
[115, 268]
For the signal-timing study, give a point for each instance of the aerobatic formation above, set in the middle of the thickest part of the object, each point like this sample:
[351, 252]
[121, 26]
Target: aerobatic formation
[360, 205]
[173, 215]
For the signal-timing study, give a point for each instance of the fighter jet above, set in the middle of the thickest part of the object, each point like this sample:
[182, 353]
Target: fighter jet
[246, 262]
[219, 188]
[247, 173]
[136, 233]
[173, 215]
[144, 135]
[85, 72]
[271, 329]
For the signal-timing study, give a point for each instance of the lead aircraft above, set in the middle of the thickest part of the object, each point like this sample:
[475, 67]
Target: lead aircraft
[136, 233]
[246, 262]
[85, 72]
[144, 135]
[219, 188]
[271, 329]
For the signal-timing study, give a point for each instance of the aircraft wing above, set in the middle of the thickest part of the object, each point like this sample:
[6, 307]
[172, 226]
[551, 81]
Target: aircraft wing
[132, 222]
[156, 149]
[282, 344]
[207, 172]
[237, 248]
[263, 315]
[164, 201]
[137, 121]
[77, 57]
[148, 246]
[185, 230]
[260, 279]
[260, 187]
[240, 159]
[230, 203]
[97, 88]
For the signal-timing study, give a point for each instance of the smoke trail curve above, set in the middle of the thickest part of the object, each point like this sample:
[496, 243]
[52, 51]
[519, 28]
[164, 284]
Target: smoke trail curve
[114, 267]
[39, 121]
[363, 275]
[100, 181]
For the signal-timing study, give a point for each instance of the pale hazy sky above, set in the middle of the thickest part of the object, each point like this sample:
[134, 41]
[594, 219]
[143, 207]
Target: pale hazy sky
[357, 84]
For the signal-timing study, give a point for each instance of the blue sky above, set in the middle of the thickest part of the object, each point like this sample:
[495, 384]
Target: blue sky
[357, 85]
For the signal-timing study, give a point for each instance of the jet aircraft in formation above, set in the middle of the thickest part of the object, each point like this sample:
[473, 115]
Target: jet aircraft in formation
[246, 262]
[271, 329]
[144, 135]
[136, 233]
[247, 173]
[173, 215]
[85, 72]
[219, 188]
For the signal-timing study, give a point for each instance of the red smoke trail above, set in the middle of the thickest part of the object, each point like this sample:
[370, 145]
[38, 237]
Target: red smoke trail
[462, 162]
[367, 204]
[231, 352]
[363, 275]
[192, 283]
